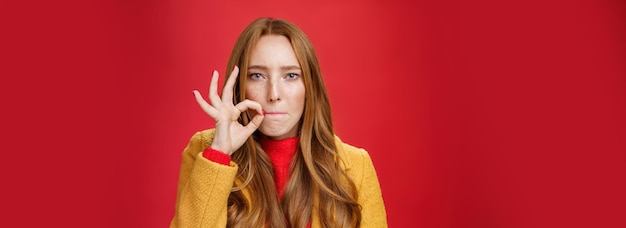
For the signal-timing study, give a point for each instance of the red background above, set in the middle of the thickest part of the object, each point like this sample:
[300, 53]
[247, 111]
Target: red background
[482, 114]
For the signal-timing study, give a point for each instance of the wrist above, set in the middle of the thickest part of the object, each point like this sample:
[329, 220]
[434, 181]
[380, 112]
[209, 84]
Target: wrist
[220, 149]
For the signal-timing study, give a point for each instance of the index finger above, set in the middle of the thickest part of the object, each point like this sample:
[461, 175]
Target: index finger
[227, 92]
[213, 97]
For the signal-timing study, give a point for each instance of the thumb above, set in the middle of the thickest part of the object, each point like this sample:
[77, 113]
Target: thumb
[255, 123]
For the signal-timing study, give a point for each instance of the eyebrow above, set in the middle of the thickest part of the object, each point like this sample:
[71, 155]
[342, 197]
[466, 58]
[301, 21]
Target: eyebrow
[260, 67]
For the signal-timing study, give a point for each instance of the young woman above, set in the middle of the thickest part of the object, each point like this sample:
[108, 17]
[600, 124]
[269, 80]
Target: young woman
[272, 159]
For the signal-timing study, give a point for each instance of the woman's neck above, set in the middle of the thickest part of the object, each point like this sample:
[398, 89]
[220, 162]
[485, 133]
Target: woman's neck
[281, 153]
[289, 145]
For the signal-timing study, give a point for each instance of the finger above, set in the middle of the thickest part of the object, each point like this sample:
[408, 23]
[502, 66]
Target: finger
[213, 97]
[204, 105]
[257, 119]
[249, 104]
[227, 93]
[254, 124]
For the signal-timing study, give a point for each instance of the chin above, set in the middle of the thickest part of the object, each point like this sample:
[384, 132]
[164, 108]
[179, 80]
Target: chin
[275, 133]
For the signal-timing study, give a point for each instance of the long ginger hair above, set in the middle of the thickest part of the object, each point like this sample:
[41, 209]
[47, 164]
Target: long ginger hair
[317, 183]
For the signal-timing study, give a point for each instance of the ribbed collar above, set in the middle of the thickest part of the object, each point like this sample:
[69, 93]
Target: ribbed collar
[281, 148]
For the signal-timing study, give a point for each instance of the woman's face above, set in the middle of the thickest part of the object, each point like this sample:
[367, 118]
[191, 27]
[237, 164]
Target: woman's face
[275, 81]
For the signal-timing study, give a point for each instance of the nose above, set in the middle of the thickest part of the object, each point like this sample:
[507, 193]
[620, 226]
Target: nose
[273, 94]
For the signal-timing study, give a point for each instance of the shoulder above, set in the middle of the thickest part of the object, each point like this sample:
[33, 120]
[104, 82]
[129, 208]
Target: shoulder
[202, 139]
[206, 135]
[351, 156]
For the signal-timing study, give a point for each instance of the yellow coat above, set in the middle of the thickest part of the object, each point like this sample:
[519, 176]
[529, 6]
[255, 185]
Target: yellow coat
[204, 186]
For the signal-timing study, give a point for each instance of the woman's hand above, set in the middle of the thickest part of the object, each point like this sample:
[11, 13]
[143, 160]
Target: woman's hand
[229, 133]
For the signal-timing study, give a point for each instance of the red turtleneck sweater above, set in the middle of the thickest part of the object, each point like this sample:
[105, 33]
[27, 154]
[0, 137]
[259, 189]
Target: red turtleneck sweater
[281, 153]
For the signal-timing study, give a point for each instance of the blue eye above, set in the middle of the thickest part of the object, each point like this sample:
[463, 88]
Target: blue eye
[256, 76]
[292, 76]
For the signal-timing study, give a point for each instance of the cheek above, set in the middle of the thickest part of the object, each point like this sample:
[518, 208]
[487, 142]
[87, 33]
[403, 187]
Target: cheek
[252, 94]
[300, 94]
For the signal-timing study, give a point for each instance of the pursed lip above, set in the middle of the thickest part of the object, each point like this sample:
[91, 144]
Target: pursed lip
[273, 113]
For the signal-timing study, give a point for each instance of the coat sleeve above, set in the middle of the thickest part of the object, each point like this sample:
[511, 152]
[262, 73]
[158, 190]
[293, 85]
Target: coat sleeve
[203, 187]
[373, 212]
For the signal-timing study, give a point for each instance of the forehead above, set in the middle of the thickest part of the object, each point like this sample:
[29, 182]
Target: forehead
[273, 50]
